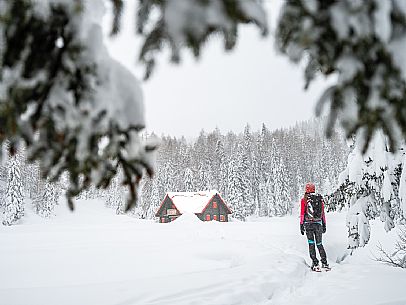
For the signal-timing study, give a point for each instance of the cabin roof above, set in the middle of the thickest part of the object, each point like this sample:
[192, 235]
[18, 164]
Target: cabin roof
[191, 202]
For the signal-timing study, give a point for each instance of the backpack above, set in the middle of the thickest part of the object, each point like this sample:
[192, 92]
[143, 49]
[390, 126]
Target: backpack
[313, 207]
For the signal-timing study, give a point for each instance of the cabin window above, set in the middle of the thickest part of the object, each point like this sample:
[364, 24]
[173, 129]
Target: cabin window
[208, 217]
[214, 217]
[214, 205]
[222, 218]
[171, 212]
[162, 219]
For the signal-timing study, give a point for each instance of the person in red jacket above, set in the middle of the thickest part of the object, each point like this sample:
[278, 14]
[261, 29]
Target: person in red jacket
[313, 222]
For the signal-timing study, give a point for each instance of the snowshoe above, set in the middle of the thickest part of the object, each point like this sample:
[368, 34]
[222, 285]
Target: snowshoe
[315, 268]
[325, 267]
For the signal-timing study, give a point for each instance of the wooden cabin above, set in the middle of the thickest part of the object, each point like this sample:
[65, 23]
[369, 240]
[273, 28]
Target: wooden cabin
[207, 206]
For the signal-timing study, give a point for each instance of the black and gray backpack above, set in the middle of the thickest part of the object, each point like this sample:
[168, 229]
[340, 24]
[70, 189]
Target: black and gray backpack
[314, 207]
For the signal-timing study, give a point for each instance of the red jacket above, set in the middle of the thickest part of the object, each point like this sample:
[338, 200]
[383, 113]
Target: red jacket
[303, 209]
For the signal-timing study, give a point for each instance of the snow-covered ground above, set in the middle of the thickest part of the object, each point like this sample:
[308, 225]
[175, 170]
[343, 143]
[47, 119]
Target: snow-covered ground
[93, 256]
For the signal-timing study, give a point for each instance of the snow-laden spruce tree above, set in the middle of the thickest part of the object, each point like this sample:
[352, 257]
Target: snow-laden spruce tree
[146, 192]
[149, 199]
[114, 196]
[148, 202]
[269, 199]
[204, 179]
[188, 180]
[234, 190]
[50, 199]
[277, 190]
[32, 178]
[220, 167]
[256, 180]
[111, 194]
[263, 157]
[370, 185]
[245, 173]
[14, 199]
[281, 191]
[46, 200]
[155, 201]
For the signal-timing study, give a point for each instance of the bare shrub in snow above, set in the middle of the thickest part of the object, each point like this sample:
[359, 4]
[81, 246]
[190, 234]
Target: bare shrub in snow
[398, 257]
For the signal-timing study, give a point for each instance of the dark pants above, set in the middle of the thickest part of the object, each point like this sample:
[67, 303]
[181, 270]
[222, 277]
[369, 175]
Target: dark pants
[314, 233]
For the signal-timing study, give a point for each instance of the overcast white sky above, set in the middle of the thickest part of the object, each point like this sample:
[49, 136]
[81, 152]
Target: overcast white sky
[251, 84]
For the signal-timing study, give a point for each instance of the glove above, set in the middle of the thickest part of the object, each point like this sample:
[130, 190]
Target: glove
[324, 228]
[302, 229]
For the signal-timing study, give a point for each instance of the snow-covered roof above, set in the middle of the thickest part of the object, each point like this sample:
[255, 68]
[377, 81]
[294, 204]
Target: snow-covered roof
[191, 202]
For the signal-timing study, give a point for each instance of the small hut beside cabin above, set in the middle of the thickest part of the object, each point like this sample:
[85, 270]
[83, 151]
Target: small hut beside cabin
[207, 205]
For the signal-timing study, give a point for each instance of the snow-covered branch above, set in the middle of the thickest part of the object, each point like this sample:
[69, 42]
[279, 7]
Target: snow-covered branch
[363, 44]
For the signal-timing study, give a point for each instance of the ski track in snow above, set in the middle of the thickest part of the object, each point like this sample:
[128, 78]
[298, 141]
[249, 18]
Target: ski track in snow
[95, 257]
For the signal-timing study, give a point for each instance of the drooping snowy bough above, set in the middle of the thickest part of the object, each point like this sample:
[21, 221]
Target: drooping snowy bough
[180, 24]
[372, 187]
[363, 44]
[76, 108]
